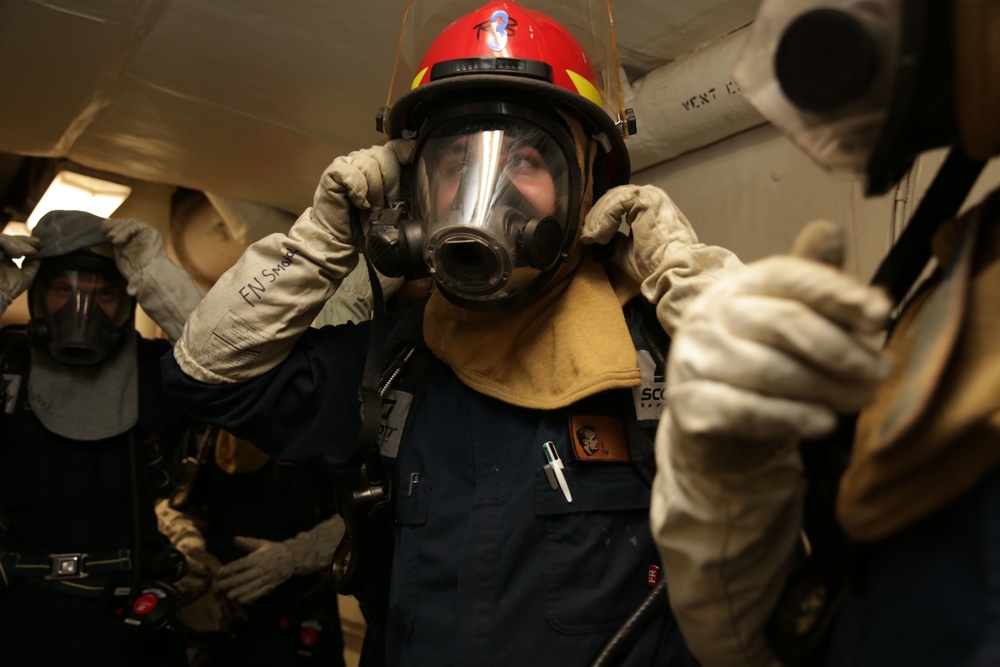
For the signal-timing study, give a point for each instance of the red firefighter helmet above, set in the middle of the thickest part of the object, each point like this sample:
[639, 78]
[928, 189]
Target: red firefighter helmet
[505, 49]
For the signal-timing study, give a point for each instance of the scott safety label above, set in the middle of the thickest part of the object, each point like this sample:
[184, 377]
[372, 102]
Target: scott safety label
[649, 395]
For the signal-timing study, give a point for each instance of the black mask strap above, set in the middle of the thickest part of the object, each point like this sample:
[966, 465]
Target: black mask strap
[906, 260]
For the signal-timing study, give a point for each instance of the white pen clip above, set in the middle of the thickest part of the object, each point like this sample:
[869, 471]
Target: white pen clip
[556, 464]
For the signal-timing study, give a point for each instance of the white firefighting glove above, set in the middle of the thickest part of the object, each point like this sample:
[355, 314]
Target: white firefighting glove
[270, 564]
[766, 356]
[184, 535]
[251, 318]
[164, 290]
[771, 354]
[14, 280]
[662, 252]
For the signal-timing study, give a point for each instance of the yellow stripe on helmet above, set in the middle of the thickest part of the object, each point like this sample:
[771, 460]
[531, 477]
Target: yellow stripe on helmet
[585, 87]
[418, 77]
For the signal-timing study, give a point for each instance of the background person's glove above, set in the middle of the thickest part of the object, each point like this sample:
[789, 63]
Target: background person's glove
[136, 244]
[199, 576]
[182, 531]
[14, 280]
[164, 290]
[271, 564]
[662, 253]
[765, 357]
[260, 307]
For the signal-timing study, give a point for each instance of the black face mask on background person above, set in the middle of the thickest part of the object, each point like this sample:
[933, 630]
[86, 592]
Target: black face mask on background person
[80, 310]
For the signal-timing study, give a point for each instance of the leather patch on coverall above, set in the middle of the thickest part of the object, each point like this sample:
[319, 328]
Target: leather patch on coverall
[599, 438]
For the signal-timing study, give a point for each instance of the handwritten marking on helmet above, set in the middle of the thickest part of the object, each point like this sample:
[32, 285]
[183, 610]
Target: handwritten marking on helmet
[497, 30]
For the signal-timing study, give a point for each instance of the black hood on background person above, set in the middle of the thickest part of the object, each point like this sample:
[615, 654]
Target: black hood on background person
[63, 232]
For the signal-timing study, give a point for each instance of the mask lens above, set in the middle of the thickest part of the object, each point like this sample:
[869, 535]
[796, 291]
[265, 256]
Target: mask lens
[84, 313]
[492, 197]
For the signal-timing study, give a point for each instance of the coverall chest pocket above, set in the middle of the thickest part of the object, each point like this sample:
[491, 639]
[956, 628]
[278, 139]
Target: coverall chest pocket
[598, 548]
[412, 498]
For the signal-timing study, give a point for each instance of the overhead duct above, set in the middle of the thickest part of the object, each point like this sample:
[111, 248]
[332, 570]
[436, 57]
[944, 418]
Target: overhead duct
[248, 221]
[688, 103]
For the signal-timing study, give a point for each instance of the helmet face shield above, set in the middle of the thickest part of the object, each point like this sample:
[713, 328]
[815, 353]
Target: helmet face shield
[493, 200]
[559, 51]
[81, 313]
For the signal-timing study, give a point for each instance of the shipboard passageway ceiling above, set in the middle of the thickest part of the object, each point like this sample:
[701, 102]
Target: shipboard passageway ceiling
[249, 99]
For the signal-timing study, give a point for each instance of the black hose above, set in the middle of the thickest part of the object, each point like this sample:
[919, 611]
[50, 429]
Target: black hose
[621, 642]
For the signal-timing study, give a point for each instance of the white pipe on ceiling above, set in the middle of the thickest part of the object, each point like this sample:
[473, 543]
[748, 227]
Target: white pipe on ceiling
[688, 103]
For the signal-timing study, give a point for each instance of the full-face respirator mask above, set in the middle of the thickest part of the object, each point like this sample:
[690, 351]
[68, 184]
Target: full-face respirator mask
[80, 309]
[495, 206]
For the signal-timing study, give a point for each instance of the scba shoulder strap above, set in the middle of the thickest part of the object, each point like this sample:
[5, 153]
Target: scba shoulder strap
[652, 345]
[14, 366]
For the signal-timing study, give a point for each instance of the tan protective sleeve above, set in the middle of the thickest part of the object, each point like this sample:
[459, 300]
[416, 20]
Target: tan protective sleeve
[728, 540]
[250, 319]
[683, 273]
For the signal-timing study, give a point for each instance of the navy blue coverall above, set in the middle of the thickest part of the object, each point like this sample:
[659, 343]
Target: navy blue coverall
[491, 565]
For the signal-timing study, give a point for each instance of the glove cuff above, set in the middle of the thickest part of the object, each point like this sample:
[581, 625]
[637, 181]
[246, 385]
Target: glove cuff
[167, 294]
[313, 549]
[683, 273]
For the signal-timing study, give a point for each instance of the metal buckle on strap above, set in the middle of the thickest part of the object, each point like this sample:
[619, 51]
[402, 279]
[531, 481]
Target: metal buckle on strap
[67, 566]
[125, 558]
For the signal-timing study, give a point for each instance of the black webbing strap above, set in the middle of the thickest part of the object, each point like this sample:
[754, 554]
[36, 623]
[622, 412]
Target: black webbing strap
[371, 402]
[63, 566]
[80, 574]
[905, 261]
